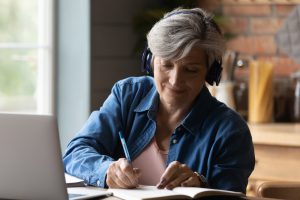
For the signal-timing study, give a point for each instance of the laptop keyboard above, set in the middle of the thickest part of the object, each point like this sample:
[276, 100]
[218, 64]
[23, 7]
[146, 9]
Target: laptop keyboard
[74, 195]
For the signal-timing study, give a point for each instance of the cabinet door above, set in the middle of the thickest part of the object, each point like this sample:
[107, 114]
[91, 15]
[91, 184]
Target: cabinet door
[276, 163]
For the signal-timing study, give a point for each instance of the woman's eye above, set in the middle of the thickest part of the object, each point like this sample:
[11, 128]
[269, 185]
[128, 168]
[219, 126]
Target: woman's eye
[166, 66]
[192, 69]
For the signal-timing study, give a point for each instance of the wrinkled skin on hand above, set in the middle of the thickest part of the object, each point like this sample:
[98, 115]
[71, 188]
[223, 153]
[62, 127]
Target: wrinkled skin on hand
[178, 174]
[121, 174]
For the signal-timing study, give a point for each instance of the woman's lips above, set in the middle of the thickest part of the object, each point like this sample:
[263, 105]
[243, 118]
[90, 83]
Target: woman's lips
[176, 90]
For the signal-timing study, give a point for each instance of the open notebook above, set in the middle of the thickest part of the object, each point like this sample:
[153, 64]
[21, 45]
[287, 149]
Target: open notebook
[144, 192]
[73, 181]
[151, 192]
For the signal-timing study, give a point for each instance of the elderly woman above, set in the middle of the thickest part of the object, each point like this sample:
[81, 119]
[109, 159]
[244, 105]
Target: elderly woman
[177, 133]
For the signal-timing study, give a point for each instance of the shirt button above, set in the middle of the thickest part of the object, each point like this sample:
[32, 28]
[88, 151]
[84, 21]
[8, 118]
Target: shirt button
[179, 129]
[174, 141]
[98, 183]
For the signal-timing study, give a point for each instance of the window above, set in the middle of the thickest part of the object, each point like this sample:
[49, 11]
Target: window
[26, 56]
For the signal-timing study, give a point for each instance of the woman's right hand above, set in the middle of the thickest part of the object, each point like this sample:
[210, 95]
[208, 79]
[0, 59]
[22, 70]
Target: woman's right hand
[121, 174]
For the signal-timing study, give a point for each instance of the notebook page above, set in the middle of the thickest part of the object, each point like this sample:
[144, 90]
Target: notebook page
[146, 192]
[202, 192]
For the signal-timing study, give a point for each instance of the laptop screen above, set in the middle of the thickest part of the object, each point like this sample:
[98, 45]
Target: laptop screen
[31, 165]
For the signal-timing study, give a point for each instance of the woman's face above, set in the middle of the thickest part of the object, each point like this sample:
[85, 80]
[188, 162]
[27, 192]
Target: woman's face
[179, 82]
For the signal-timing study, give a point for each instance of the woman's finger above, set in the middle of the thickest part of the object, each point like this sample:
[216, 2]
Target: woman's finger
[120, 174]
[128, 176]
[177, 180]
[112, 178]
[111, 183]
[192, 181]
[182, 174]
[169, 174]
[122, 179]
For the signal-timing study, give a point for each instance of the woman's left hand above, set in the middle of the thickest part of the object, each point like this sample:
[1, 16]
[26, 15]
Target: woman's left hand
[178, 174]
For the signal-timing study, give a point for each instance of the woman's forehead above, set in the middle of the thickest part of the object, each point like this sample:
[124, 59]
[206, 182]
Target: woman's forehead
[194, 54]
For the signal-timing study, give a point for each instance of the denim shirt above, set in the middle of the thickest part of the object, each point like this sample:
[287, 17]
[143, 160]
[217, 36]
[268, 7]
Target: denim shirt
[212, 140]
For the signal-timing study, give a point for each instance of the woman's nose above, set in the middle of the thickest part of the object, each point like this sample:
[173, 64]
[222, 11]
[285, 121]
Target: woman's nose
[175, 77]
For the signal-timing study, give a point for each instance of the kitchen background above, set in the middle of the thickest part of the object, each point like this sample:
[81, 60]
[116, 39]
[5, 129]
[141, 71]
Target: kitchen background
[250, 28]
[117, 33]
[62, 57]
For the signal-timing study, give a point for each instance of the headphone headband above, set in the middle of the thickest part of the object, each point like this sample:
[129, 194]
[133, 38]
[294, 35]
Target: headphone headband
[183, 12]
[207, 21]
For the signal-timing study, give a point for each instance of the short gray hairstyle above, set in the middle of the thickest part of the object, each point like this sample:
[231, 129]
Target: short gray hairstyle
[180, 30]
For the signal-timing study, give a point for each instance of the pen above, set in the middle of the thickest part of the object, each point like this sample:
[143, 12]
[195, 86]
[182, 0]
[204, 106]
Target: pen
[124, 147]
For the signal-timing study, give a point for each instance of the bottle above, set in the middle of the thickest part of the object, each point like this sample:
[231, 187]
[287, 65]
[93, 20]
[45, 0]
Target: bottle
[296, 110]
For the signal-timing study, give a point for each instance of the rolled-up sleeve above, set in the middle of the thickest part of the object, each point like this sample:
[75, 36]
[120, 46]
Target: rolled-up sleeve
[90, 153]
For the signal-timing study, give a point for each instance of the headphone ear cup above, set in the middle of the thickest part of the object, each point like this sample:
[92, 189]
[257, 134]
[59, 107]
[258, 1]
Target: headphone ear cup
[214, 73]
[146, 61]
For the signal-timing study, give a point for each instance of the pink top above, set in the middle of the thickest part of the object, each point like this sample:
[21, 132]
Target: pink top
[152, 163]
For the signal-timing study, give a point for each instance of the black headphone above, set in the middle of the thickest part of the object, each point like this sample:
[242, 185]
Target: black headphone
[215, 71]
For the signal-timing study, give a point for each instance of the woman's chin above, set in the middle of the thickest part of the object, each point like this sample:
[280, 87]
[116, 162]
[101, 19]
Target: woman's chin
[176, 100]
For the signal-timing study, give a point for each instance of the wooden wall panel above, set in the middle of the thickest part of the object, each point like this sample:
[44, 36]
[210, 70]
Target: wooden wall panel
[107, 72]
[112, 45]
[113, 41]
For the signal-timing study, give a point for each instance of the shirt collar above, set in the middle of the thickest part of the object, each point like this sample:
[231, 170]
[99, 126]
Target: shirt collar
[201, 109]
[195, 118]
[149, 102]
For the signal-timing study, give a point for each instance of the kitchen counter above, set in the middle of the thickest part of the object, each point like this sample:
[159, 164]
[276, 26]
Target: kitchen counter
[285, 134]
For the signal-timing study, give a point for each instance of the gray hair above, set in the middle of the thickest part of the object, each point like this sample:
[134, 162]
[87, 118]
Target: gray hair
[182, 29]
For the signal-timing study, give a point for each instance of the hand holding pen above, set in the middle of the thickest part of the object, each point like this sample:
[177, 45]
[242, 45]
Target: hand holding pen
[121, 173]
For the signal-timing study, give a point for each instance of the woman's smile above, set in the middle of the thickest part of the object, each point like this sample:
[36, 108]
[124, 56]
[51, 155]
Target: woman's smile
[175, 90]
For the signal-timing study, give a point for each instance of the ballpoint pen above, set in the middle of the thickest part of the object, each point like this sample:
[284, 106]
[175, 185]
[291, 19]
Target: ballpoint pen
[124, 147]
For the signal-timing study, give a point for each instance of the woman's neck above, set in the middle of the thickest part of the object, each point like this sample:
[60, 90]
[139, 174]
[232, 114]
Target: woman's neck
[172, 115]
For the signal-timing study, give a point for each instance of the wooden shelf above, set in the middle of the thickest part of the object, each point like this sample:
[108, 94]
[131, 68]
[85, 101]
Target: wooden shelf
[259, 1]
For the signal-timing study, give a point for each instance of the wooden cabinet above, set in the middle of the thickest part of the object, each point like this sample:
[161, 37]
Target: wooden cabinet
[277, 151]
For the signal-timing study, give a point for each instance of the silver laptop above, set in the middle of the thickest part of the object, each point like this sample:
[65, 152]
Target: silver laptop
[30, 156]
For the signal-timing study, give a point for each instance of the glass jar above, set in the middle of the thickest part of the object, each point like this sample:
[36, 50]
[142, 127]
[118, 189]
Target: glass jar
[297, 101]
[283, 100]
